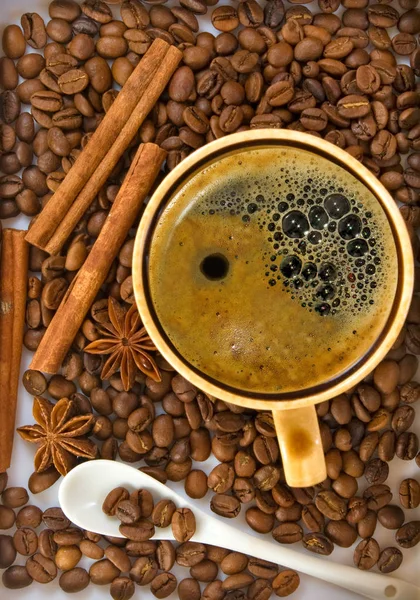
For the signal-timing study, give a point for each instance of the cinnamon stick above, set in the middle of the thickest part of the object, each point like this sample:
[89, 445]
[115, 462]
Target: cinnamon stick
[98, 179]
[76, 303]
[13, 286]
[103, 138]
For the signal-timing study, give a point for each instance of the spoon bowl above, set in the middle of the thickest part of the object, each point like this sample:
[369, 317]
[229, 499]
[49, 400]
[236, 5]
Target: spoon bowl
[84, 489]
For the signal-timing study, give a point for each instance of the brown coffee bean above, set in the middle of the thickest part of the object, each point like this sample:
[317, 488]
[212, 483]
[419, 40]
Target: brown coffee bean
[29, 516]
[410, 392]
[144, 570]
[376, 471]
[317, 543]
[183, 524]
[13, 42]
[14, 497]
[74, 580]
[97, 10]
[407, 446]
[314, 119]
[163, 585]
[408, 535]
[165, 555]
[67, 557]
[377, 496]
[7, 551]
[122, 588]
[389, 560]
[16, 578]
[287, 533]
[341, 533]
[402, 419]
[205, 571]
[127, 511]
[115, 496]
[312, 518]
[330, 505]
[224, 18]
[181, 86]
[190, 554]
[221, 478]
[163, 512]
[103, 572]
[25, 541]
[391, 516]
[196, 484]
[34, 30]
[41, 569]
[353, 106]
[138, 532]
[366, 554]
[285, 583]
[310, 48]
[9, 106]
[189, 589]
[409, 493]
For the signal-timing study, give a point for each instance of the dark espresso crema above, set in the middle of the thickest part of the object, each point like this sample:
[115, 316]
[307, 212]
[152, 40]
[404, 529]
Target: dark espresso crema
[272, 270]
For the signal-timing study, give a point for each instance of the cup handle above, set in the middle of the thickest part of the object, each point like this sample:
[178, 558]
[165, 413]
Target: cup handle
[300, 446]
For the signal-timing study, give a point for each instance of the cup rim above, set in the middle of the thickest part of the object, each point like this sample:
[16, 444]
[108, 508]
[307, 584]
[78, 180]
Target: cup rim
[401, 302]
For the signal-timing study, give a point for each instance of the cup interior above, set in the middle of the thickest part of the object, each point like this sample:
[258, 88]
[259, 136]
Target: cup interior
[198, 162]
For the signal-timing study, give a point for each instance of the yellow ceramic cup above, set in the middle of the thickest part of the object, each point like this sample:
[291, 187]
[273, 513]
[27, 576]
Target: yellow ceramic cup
[295, 419]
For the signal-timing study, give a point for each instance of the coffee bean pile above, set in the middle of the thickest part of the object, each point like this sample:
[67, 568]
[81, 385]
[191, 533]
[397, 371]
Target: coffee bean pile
[134, 510]
[308, 69]
[123, 563]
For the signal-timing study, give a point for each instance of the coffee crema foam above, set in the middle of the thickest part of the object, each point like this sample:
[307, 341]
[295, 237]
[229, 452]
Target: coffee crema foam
[272, 270]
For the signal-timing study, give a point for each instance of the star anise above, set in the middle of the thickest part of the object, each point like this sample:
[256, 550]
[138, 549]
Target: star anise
[127, 343]
[59, 435]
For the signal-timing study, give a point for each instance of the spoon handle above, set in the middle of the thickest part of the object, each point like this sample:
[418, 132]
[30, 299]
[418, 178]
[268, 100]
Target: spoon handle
[371, 585]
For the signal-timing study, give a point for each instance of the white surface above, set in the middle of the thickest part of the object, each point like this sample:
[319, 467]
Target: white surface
[22, 463]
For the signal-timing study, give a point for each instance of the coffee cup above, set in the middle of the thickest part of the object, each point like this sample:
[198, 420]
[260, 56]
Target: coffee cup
[274, 271]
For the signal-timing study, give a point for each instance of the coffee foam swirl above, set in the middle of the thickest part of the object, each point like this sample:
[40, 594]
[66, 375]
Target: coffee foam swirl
[295, 304]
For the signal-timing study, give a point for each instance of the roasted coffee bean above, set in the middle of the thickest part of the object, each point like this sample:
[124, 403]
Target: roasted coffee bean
[14, 497]
[25, 541]
[115, 496]
[366, 554]
[14, 43]
[377, 496]
[41, 569]
[408, 535]
[315, 542]
[122, 588]
[55, 519]
[407, 446]
[285, 583]
[143, 570]
[163, 512]
[127, 511]
[138, 532]
[366, 526]
[183, 524]
[7, 551]
[165, 555]
[341, 533]
[376, 471]
[9, 106]
[34, 30]
[409, 493]
[287, 533]
[163, 585]
[402, 419]
[389, 560]
[331, 505]
[16, 578]
[391, 516]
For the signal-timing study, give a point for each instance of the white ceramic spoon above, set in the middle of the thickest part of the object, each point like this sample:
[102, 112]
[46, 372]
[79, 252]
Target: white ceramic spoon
[84, 489]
